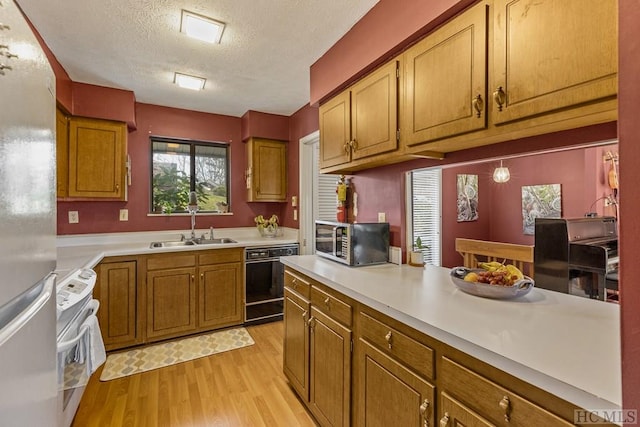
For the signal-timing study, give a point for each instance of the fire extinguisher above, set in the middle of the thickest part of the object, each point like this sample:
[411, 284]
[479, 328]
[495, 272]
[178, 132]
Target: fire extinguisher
[341, 192]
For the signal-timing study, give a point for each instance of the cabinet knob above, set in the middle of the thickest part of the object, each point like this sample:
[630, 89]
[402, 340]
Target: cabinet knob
[201, 276]
[423, 412]
[193, 278]
[505, 405]
[500, 97]
[354, 144]
[389, 338]
[347, 147]
[478, 105]
[444, 421]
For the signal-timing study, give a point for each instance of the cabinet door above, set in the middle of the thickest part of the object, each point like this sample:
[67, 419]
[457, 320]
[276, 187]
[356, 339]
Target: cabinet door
[374, 113]
[389, 393]
[551, 55]
[171, 302]
[268, 170]
[335, 130]
[296, 343]
[445, 84]
[97, 156]
[62, 154]
[456, 414]
[116, 291]
[220, 301]
[330, 370]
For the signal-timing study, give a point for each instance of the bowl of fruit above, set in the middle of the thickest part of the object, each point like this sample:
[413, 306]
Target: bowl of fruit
[492, 280]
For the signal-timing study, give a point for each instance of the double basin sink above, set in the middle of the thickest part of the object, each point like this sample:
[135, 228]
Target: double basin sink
[192, 242]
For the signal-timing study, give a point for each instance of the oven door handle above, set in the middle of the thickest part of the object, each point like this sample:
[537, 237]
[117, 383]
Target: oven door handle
[334, 239]
[92, 308]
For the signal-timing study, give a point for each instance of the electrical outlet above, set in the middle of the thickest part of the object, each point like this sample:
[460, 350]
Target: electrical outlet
[73, 217]
[295, 214]
[382, 217]
[124, 214]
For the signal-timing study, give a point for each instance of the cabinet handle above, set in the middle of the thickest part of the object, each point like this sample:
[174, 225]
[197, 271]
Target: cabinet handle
[505, 405]
[500, 97]
[294, 284]
[326, 302]
[304, 316]
[478, 105]
[444, 421]
[389, 337]
[354, 144]
[310, 323]
[423, 413]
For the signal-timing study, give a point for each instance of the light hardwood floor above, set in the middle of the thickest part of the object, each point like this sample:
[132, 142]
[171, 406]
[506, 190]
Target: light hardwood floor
[243, 387]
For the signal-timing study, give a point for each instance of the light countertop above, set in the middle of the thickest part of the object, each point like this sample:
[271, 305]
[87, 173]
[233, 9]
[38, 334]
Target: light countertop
[87, 250]
[566, 345]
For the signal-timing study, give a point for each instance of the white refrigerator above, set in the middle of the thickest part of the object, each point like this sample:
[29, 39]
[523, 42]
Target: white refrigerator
[28, 376]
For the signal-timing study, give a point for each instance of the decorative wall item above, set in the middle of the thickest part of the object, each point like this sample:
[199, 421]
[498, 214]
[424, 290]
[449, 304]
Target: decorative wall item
[467, 197]
[540, 201]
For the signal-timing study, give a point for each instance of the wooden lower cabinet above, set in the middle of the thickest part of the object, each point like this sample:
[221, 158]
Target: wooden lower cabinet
[220, 301]
[171, 302]
[389, 394]
[117, 292]
[397, 375]
[296, 343]
[329, 370]
[455, 413]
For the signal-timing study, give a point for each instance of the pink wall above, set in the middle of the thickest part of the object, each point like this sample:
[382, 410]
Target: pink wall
[629, 132]
[102, 217]
[264, 125]
[104, 103]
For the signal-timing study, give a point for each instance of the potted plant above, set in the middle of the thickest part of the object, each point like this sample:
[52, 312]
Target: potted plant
[416, 256]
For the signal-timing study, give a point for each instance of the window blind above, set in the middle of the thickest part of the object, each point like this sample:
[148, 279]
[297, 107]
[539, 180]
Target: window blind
[426, 212]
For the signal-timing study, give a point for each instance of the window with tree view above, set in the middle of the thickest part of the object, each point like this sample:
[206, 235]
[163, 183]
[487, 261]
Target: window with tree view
[179, 167]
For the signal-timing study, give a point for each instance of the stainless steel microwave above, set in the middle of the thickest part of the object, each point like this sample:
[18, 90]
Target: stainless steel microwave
[353, 244]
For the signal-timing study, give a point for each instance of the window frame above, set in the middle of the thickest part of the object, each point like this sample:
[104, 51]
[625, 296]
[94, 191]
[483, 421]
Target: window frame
[409, 192]
[193, 143]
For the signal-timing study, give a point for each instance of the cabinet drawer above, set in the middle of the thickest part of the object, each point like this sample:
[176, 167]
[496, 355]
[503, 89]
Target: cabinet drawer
[173, 260]
[415, 355]
[297, 283]
[492, 401]
[219, 256]
[331, 306]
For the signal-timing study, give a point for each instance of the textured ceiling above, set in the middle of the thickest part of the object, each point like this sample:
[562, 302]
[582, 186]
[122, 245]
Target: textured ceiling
[262, 63]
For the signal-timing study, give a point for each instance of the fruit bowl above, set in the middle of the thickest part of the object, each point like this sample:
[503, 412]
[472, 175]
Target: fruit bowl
[519, 288]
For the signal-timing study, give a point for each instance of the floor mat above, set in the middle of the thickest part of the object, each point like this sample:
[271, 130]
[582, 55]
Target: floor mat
[157, 356]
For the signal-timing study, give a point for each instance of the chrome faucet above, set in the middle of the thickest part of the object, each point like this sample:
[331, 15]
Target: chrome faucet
[193, 209]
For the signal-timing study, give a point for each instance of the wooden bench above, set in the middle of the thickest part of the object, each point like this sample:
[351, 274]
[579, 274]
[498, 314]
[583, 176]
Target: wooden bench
[475, 251]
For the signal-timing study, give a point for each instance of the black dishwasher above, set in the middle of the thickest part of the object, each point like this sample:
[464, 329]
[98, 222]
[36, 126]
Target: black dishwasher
[264, 283]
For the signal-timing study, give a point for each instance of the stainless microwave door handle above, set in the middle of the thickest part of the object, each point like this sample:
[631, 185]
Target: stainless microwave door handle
[334, 238]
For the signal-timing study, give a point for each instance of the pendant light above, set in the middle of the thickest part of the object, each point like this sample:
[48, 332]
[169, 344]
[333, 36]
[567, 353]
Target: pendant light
[501, 174]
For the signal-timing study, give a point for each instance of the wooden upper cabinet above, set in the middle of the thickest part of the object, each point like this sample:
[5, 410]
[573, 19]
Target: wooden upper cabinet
[374, 113]
[335, 131]
[445, 84]
[362, 121]
[266, 170]
[62, 154]
[97, 158]
[552, 55]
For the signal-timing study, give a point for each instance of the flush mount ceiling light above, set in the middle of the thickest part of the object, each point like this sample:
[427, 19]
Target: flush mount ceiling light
[200, 27]
[189, 82]
[501, 174]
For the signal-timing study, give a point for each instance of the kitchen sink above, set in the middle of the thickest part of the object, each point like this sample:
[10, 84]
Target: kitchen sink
[191, 242]
[219, 240]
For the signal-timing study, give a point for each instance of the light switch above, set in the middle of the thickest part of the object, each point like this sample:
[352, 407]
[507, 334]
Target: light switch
[295, 214]
[73, 217]
[124, 214]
